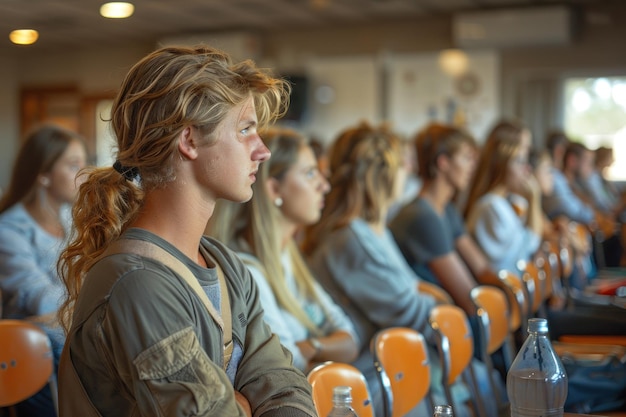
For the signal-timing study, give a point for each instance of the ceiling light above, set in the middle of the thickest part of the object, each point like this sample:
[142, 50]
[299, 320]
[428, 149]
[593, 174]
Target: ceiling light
[453, 62]
[24, 36]
[117, 10]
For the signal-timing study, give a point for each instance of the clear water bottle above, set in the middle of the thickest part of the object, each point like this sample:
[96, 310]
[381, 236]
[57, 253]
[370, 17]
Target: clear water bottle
[536, 382]
[342, 403]
[443, 411]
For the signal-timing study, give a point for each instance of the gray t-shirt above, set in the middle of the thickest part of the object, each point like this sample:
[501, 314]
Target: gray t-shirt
[423, 235]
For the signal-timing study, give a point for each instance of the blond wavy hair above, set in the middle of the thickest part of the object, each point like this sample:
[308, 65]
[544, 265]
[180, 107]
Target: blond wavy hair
[364, 163]
[169, 90]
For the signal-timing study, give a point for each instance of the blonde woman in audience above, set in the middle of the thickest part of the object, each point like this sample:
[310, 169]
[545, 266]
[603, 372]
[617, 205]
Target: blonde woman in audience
[289, 193]
[34, 226]
[503, 211]
[354, 255]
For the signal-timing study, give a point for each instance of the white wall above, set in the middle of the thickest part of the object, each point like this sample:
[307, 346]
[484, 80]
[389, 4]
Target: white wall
[351, 84]
[420, 92]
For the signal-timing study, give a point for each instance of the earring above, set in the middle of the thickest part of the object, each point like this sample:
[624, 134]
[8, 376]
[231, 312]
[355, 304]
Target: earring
[278, 201]
[45, 181]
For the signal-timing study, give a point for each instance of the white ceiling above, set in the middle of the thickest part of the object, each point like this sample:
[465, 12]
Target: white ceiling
[72, 23]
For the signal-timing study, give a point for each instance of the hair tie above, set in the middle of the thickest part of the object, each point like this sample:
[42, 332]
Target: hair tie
[130, 173]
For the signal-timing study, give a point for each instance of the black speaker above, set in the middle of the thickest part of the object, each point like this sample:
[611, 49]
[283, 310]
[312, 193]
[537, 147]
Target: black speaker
[298, 103]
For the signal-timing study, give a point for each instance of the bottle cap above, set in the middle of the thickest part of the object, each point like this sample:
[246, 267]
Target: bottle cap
[537, 325]
[443, 410]
[342, 392]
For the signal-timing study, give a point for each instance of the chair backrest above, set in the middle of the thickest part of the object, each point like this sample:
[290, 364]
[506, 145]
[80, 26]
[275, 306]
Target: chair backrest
[26, 361]
[439, 294]
[543, 262]
[326, 376]
[457, 346]
[494, 328]
[534, 279]
[492, 301]
[456, 350]
[518, 299]
[401, 360]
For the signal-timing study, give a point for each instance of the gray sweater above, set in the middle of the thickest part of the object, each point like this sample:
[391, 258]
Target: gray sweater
[368, 276]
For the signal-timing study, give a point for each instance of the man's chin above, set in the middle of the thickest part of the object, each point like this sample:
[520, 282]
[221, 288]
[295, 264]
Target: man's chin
[240, 198]
[245, 198]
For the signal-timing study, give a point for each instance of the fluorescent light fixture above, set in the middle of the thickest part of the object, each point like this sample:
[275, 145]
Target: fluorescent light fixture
[117, 10]
[24, 36]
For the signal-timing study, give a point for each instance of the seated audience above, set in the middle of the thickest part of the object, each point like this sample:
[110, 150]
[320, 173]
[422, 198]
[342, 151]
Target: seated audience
[602, 193]
[354, 255]
[289, 193]
[569, 199]
[34, 226]
[565, 234]
[501, 190]
[556, 143]
[429, 230]
[560, 233]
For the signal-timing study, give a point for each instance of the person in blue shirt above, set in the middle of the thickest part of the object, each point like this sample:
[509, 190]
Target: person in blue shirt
[34, 226]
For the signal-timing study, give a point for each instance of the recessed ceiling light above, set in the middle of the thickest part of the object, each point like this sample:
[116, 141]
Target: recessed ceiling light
[117, 10]
[24, 36]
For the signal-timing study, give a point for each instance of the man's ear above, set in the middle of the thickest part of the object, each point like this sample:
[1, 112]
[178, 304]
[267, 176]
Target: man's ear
[188, 144]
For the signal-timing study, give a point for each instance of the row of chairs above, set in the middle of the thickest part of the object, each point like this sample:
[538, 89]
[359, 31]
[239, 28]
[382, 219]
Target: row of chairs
[402, 361]
[26, 364]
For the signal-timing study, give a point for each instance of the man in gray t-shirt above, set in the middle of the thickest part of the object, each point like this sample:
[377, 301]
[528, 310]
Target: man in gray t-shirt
[424, 235]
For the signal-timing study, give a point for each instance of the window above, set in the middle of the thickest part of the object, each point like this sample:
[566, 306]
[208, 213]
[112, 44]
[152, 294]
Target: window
[595, 114]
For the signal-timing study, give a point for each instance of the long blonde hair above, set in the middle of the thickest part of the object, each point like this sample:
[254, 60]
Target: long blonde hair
[170, 89]
[256, 224]
[364, 163]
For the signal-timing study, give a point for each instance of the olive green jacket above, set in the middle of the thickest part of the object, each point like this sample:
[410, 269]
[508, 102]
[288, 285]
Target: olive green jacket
[143, 344]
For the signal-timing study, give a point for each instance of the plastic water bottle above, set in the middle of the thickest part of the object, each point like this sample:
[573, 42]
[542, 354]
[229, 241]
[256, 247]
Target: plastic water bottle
[342, 403]
[536, 382]
[443, 411]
